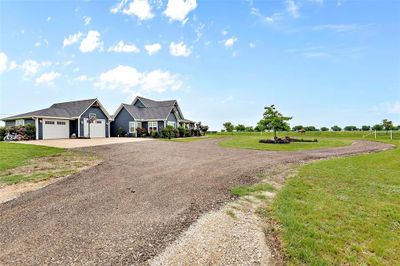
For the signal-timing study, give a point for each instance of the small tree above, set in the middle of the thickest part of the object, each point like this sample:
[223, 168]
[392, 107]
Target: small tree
[249, 129]
[310, 128]
[324, 129]
[203, 129]
[229, 127]
[274, 120]
[377, 127]
[366, 128]
[240, 127]
[336, 128]
[297, 128]
[259, 128]
[387, 124]
[350, 128]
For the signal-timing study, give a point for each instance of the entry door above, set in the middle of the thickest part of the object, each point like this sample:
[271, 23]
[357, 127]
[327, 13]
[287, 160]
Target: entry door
[97, 128]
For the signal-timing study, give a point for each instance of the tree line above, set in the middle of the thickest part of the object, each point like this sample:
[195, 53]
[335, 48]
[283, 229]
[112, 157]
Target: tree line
[273, 120]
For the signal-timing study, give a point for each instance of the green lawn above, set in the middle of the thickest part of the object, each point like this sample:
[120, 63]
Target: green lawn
[190, 139]
[15, 154]
[343, 211]
[251, 142]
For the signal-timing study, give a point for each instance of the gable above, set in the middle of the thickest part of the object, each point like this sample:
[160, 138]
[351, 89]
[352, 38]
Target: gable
[138, 103]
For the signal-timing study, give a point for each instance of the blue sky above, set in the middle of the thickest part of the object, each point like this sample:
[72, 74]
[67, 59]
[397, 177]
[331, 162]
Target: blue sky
[322, 62]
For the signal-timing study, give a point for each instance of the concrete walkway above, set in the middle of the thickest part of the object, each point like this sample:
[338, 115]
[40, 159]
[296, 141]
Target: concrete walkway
[79, 143]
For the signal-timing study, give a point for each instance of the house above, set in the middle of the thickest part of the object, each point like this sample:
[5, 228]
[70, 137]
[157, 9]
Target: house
[148, 114]
[63, 120]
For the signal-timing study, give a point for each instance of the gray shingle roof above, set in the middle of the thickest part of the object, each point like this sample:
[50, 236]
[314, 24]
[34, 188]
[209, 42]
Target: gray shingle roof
[152, 103]
[65, 109]
[145, 113]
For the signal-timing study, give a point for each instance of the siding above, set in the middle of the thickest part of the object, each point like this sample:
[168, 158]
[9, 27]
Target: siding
[138, 103]
[11, 123]
[99, 114]
[160, 125]
[172, 117]
[121, 121]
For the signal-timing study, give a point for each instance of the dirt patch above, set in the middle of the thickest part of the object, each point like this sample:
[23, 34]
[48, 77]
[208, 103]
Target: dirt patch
[40, 172]
[237, 234]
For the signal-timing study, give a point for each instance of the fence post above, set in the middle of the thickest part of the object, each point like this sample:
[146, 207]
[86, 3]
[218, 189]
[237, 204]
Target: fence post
[391, 134]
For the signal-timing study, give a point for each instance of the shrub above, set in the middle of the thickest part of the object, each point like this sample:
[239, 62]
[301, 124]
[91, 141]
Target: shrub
[141, 132]
[30, 131]
[155, 134]
[121, 132]
[324, 129]
[168, 132]
[183, 132]
[2, 133]
[175, 133]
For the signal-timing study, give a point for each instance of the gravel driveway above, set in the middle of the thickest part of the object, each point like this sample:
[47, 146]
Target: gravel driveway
[129, 208]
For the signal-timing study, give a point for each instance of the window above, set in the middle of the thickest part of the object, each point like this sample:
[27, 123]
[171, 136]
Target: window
[49, 122]
[133, 126]
[19, 122]
[61, 123]
[98, 122]
[171, 123]
[152, 126]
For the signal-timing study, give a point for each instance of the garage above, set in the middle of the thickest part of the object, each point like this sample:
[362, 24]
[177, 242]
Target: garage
[97, 128]
[55, 129]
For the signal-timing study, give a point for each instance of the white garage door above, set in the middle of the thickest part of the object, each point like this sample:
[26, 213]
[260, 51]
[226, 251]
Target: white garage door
[55, 129]
[97, 129]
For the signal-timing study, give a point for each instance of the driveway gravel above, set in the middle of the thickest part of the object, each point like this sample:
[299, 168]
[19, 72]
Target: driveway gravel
[127, 209]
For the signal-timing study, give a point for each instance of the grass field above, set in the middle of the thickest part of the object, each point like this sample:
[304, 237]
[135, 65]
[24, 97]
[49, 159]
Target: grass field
[31, 163]
[190, 139]
[15, 154]
[252, 142]
[343, 211]
[381, 135]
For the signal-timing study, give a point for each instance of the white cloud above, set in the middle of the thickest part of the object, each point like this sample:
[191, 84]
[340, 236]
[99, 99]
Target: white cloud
[252, 45]
[91, 42]
[83, 78]
[12, 66]
[87, 20]
[38, 44]
[138, 8]
[179, 49]
[3, 62]
[337, 27]
[122, 77]
[224, 32]
[266, 19]
[47, 78]
[230, 42]
[76, 69]
[160, 81]
[292, 8]
[73, 38]
[122, 47]
[129, 80]
[179, 9]
[31, 67]
[118, 7]
[48, 18]
[152, 48]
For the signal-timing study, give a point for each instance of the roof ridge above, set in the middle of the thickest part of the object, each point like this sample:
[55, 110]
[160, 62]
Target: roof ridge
[91, 99]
